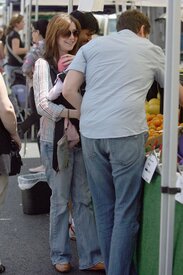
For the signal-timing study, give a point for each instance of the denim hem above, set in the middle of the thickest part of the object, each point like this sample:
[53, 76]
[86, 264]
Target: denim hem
[90, 265]
[65, 262]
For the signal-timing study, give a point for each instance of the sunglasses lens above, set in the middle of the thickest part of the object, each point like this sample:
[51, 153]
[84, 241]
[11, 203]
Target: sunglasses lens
[74, 33]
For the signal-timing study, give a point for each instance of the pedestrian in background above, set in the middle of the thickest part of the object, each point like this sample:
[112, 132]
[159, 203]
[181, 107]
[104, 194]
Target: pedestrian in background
[118, 69]
[8, 120]
[2, 50]
[37, 50]
[15, 51]
[89, 26]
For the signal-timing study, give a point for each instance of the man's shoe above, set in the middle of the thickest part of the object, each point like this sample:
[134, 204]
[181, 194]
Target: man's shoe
[37, 169]
[63, 268]
[2, 268]
[97, 267]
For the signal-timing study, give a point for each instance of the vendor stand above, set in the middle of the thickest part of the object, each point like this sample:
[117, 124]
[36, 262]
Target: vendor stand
[148, 243]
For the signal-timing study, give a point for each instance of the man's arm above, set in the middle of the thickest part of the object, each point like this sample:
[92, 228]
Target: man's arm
[72, 83]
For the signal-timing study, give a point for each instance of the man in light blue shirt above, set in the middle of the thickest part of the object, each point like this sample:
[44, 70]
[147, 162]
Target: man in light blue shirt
[118, 69]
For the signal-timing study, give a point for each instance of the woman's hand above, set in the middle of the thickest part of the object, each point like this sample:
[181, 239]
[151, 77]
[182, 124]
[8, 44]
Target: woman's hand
[66, 59]
[73, 113]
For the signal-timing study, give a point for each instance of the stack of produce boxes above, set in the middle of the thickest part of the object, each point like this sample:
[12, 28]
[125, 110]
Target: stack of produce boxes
[155, 124]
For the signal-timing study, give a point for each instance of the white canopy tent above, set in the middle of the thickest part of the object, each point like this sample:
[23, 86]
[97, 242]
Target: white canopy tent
[164, 15]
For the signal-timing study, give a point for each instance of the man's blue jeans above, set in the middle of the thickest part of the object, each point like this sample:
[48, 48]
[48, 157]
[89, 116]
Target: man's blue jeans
[114, 169]
[66, 185]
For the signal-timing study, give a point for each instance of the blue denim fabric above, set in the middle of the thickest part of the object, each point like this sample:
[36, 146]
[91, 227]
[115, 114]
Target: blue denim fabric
[46, 149]
[71, 184]
[114, 168]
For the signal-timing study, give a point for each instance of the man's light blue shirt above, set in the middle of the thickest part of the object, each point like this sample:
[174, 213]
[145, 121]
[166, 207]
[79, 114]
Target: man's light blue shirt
[119, 70]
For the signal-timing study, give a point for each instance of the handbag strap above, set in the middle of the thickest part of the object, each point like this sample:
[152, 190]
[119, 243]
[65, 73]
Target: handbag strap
[67, 121]
[12, 53]
[68, 113]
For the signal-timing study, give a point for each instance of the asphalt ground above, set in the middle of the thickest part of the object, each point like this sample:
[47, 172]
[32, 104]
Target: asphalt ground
[24, 248]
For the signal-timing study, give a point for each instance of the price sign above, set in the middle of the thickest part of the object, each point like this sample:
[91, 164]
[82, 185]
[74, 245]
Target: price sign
[149, 168]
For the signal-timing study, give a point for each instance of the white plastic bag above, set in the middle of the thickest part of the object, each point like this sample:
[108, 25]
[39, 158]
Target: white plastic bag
[28, 181]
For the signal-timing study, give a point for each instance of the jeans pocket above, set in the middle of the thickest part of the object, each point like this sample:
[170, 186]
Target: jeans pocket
[126, 150]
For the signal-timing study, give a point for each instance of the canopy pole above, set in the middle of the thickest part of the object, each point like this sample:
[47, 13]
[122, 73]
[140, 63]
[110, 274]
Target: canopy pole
[168, 179]
[70, 6]
[36, 10]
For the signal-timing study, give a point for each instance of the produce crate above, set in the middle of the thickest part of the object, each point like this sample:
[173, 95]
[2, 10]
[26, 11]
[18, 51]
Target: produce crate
[154, 142]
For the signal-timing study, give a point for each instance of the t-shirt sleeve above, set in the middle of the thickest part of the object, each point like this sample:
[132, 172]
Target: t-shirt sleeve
[160, 69]
[16, 35]
[78, 63]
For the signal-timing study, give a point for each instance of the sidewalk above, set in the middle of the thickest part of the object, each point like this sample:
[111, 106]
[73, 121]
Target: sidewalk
[29, 150]
[24, 247]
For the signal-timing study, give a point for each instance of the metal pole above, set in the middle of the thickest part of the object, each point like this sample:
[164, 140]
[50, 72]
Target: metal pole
[116, 7]
[70, 6]
[22, 6]
[8, 15]
[29, 19]
[36, 10]
[5, 15]
[22, 9]
[11, 10]
[170, 136]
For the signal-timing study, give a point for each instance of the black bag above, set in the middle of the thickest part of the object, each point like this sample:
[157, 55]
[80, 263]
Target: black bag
[9, 147]
[15, 160]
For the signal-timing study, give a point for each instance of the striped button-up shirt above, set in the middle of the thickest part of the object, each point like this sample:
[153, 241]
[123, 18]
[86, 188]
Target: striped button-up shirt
[49, 111]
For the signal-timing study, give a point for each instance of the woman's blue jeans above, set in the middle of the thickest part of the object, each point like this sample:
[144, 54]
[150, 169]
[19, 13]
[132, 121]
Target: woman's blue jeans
[114, 169]
[66, 185]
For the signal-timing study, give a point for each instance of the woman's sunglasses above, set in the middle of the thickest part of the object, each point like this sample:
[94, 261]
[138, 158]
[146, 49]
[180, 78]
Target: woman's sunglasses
[75, 33]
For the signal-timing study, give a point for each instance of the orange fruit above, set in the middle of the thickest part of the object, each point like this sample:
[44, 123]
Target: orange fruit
[157, 122]
[159, 116]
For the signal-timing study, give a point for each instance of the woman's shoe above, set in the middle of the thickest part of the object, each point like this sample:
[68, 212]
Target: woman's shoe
[38, 169]
[2, 268]
[63, 268]
[96, 267]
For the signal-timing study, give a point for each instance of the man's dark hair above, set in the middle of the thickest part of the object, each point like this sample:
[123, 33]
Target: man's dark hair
[41, 26]
[133, 21]
[87, 20]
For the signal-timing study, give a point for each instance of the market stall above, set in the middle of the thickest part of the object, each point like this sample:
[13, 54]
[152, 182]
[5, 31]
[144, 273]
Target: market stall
[148, 243]
[163, 231]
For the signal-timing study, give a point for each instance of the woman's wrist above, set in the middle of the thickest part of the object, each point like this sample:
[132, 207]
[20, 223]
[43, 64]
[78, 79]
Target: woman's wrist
[72, 113]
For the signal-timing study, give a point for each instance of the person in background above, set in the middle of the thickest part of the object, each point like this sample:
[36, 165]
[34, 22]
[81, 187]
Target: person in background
[37, 50]
[2, 51]
[89, 26]
[118, 69]
[61, 40]
[8, 119]
[15, 51]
